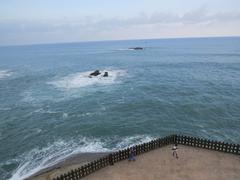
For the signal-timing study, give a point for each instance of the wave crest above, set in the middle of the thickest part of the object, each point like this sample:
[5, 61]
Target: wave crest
[38, 159]
[4, 74]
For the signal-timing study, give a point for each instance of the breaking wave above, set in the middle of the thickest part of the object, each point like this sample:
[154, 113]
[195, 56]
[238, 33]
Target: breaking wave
[82, 79]
[4, 74]
[38, 159]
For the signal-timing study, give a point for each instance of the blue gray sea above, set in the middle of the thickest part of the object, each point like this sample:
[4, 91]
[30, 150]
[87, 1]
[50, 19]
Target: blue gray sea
[50, 108]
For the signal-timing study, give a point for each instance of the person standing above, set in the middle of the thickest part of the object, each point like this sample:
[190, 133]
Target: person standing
[174, 149]
[131, 156]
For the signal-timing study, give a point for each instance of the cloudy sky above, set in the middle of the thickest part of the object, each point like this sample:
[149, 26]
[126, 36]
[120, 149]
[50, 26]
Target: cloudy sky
[53, 21]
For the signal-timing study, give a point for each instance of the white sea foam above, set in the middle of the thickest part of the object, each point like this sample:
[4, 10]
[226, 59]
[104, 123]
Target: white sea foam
[82, 79]
[89, 114]
[38, 159]
[125, 49]
[65, 115]
[4, 74]
[133, 140]
[28, 97]
[43, 111]
[38, 130]
[5, 109]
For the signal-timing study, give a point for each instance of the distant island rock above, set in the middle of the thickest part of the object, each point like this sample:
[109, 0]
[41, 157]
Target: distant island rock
[136, 48]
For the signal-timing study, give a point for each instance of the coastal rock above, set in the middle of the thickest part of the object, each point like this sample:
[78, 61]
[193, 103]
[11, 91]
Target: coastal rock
[95, 73]
[105, 74]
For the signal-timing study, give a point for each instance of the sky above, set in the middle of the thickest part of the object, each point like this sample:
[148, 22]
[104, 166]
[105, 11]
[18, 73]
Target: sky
[57, 21]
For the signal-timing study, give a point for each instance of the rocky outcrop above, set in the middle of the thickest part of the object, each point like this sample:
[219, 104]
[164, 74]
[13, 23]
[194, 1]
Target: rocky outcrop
[95, 73]
[105, 74]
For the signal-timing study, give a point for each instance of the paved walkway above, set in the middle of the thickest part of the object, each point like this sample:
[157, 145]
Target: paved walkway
[193, 164]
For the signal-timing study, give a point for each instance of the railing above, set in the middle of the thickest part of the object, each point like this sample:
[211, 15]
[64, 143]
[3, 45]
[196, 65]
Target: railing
[208, 144]
[145, 147]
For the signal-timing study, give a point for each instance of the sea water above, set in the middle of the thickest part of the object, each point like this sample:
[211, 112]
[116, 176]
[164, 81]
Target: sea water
[50, 108]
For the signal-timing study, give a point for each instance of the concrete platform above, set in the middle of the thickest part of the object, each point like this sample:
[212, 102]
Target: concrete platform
[193, 164]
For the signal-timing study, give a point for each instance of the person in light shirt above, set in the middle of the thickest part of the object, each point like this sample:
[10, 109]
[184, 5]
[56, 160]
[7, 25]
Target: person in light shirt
[174, 149]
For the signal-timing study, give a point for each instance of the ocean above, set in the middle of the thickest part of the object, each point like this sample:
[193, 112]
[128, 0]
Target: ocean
[50, 108]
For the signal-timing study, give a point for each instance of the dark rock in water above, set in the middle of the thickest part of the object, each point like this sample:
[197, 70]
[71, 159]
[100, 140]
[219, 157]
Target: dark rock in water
[95, 73]
[105, 74]
[136, 48]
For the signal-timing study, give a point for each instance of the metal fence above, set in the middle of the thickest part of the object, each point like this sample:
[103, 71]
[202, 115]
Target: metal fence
[145, 147]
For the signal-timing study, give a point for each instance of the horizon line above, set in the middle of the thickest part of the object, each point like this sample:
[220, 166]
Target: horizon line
[96, 41]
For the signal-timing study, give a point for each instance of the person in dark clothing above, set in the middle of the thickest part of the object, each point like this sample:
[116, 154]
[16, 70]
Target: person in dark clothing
[131, 156]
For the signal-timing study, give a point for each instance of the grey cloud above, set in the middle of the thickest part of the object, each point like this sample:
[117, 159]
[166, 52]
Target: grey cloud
[91, 27]
[92, 23]
[197, 16]
[201, 15]
[226, 17]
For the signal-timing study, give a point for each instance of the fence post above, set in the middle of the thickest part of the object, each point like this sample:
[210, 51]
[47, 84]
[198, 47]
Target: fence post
[174, 140]
[238, 149]
[110, 158]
